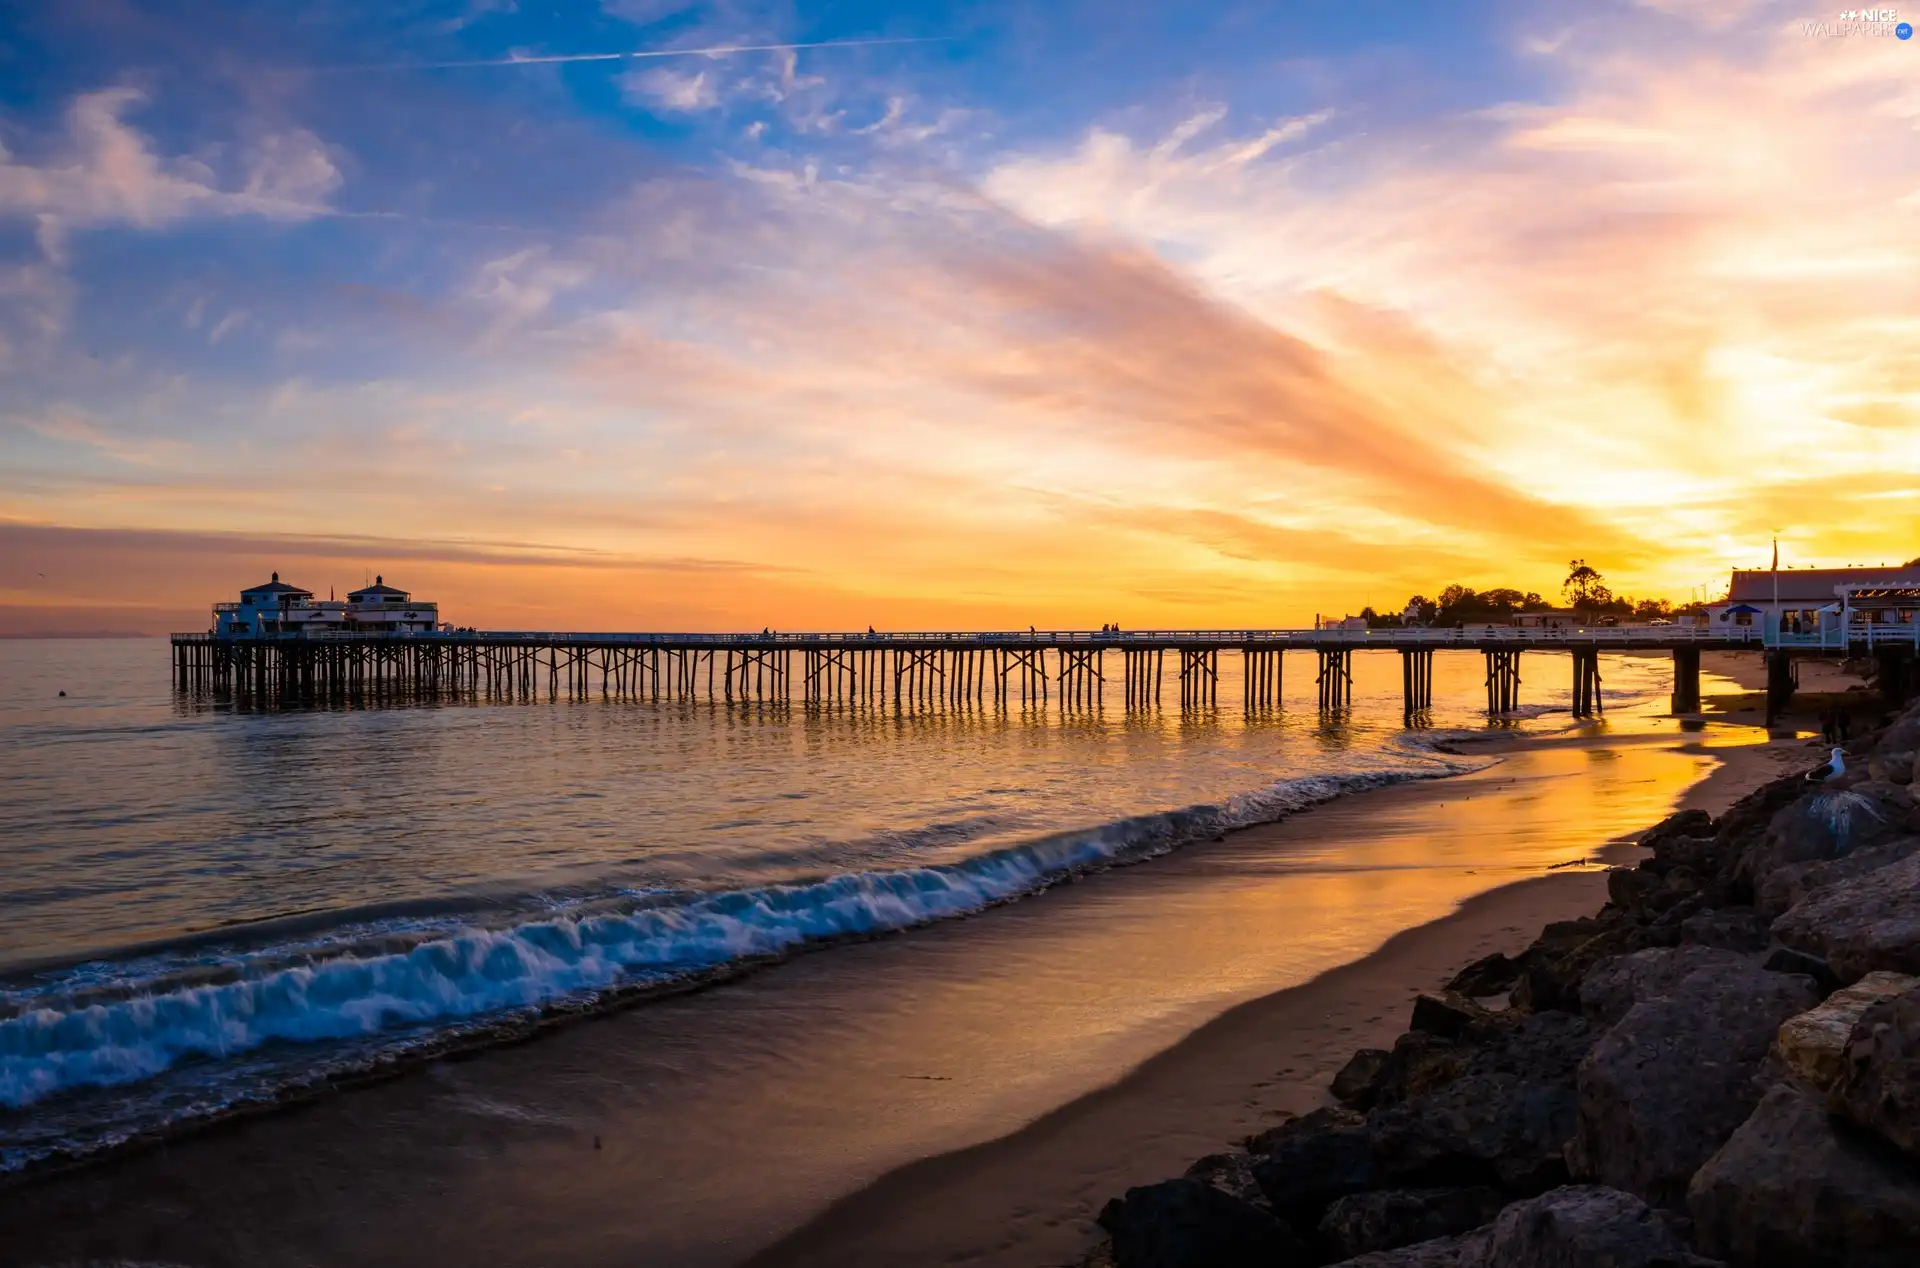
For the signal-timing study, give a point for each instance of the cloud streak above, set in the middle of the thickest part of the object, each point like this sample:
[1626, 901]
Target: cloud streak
[554, 59]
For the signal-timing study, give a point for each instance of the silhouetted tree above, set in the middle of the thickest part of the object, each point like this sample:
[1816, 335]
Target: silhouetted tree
[1584, 587]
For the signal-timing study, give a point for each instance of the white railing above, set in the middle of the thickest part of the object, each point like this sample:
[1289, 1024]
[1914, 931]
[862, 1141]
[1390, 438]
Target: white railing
[1868, 634]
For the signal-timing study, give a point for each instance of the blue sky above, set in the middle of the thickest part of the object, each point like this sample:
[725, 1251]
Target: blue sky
[1294, 306]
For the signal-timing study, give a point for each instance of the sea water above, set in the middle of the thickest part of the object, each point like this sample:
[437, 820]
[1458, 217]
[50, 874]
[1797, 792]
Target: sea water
[205, 905]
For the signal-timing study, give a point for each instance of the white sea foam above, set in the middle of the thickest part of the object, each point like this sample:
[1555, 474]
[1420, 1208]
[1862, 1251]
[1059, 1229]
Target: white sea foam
[139, 1029]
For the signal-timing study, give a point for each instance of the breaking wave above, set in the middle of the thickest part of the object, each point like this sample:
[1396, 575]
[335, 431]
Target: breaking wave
[211, 1030]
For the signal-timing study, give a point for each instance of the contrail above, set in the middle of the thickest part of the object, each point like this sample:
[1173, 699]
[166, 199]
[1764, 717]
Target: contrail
[718, 50]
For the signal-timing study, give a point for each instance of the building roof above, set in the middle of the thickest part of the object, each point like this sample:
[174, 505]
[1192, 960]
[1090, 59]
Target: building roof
[379, 587]
[1812, 586]
[276, 587]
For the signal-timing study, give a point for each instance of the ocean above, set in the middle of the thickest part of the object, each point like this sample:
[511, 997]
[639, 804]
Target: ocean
[205, 906]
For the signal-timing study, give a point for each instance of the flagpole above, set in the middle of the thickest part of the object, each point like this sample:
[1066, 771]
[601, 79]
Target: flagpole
[1776, 585]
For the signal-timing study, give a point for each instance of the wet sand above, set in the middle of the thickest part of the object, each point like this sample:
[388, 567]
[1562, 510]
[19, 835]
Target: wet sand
[966, 1092]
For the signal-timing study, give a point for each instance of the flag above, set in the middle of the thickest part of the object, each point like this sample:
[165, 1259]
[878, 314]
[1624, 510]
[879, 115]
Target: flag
[1776, 554]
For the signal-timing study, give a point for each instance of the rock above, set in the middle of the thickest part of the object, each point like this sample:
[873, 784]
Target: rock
[1673, 1078]
[1266, 1142]
[1313, 1165]
[1731, 928]
[1785, 886]
[1823, 825]
[1562, 936]
[1631, 886]
[1684, 823]
[1581, 1226]
[1418, 1063]
[1700, 856]
[1447, 1016]
[1789, 1191]
[1391, 1218]
[1860, 925]
[1552, 980]
[1505, 1121]
[1813, 1044]
[1187, 1224]
[1614, 986]
[1355, 1082]
[1231, 1172]
[1887, 793]
[1880, 1084]
[1787, 960]
[1441, 1252]
[1489, 975]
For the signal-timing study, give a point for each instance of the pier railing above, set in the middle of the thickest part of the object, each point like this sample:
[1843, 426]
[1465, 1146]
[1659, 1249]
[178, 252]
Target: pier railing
[1658, 637]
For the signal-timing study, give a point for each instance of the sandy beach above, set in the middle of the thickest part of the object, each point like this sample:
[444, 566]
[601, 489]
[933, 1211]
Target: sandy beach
[966, 1092]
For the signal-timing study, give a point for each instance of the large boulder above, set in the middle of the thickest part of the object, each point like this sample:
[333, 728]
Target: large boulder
[1860, 925]
[1581, 1226]
[1729, 928]
[1785, 886]
[1504, 1122]
[1813, 1044]
[1449, 1016]
[1313, 1161]
[1788, 1190]
[1387, 1219]
[1613, 986]
[1489, 975]
[1880, 1084]
[1666, 1086]
[1418, 1063]
[1551, 973]
[1189, 1224]
[1354, 1083]
[1231, 1172]
[1676, 838]
[1826, 824]
[1441, 1252]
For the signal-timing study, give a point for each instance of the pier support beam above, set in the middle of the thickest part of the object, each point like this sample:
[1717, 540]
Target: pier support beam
[1780, 683]
[1416, 682]
[1199, 678]
[1686, 680]
[1586, 682]
[1336, 678]
[1262, 684]
[1895, 677]
[1503, 682]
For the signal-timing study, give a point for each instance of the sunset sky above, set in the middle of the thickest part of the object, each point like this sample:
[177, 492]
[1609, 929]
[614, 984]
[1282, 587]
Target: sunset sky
[962, 316]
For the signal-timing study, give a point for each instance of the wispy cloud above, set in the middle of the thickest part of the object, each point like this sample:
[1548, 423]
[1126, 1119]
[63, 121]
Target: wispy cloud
[108, 172]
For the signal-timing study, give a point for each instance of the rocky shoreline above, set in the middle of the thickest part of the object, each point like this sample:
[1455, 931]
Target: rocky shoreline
[1720, 1067]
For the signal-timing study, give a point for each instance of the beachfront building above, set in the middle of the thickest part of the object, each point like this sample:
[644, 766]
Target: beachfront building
[279, 608]
[1818, 600]
[1551, 619]
[383, 609]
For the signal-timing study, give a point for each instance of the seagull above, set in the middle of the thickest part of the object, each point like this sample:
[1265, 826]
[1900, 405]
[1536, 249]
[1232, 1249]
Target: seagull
[1836, 767]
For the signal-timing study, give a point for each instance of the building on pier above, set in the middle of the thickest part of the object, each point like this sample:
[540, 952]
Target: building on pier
[1815, 600]
[384, 609]
[278, 608]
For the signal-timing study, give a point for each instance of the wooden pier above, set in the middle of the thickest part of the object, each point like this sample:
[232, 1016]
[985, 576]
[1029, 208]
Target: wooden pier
[1067, 669]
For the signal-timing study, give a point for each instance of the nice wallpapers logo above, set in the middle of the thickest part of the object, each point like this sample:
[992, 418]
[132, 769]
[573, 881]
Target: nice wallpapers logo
[1868, 22]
